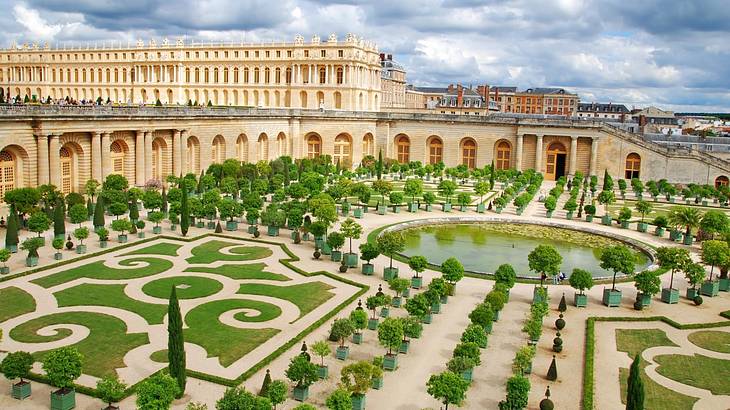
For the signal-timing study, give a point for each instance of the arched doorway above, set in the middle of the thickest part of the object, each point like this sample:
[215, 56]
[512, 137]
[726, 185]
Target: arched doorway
[8, 172]
[218, 149]
[314, 146]
[721, 181]
[158, 159]
[403, 149]
[242, 148]
[435, 150]
[263, 147]
[368, 144]
[556, 159]
[503, 155]
[281, 144]
[633, 166]
[193, 154]
[343, 151]
[469, 153]
[67, 170]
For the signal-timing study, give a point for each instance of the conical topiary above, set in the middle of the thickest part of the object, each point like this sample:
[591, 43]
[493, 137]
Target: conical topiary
[635, 388]
[304, 351]
[184, 209]
[562, 306]
[218, 228]
[552, 373]
[557, 343]
[265, 384]
[133, 211]
[99, 213]
[546, 403]
[175, 343]
[560, 322]
[11, 233]
[59, 220]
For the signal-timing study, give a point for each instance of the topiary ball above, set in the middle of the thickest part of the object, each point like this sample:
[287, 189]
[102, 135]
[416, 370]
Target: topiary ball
[638, 305]
[316, 254]
[343, 268]
[547, 404]
[698, 300]
[560, 323]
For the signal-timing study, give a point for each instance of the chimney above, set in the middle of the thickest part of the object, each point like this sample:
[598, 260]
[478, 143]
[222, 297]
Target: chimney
[459, 96]
[390, 57]
[382, 56]
[642, 120]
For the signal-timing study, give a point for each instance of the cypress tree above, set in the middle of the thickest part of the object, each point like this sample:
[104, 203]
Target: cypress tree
[607, 181]
[184, 209]
[99, 213]
[635, 389]
[200, 183]
[11, 233]
[286, 175]
[175, 343]
[379, 164]
[163, 208]
[491, 176]
[89, 206]
[133, 211]
[562, 306]
[59, 222]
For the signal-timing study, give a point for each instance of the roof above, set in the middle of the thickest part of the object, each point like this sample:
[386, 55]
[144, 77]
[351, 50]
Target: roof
[546, 90]
[503, 89]
[602, 107]
[431, 90]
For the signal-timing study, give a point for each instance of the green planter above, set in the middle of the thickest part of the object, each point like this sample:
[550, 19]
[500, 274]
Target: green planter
[390, 273]
[272, 230]
[351, 260]
[446, 207]
[404, 346]
[21, 390]
[580, 300]
[12, 248]
[692, 293]
[80, 249]
[406, 293]
[519, 211]
[58, 256]
[687, 239]
[427, 318]
[4, 270]
[31, 261]
[436, 308]
[323, 372]
[481, 208]
[293, 235]
[659, 231]
[65, 401]
[326, 249]
[710, 289]
[488, 328]
[368, 269]
[625, 224]
[382, 209]
[528, 369]
[724, 285]
[611, 298]
[416, 282]
[569, 215]
[342, 352]
[498, 210]
[301, 393]
[158, 230]
[210, 225]
[384, 312]
[396, 209]
[467, 375]
[122, 238]
[589, 218]
[336, 256]
[537, 295]
[102, 244]
[642, 226]
[390, 362]
[357, 213]
[140, 235]
[675, 235]
[373, 324]
[429, 207]
[670, 296]
[645, 299]
[200, 224]
[606, 220]
[251, 229]
[357, 338]
[173, 227]
[231, 225]
[358, 401]
[496, 316]
[548, 214]
[412, 207]
[377, 384]
[463, 208]
[444, 299]
[396, 302]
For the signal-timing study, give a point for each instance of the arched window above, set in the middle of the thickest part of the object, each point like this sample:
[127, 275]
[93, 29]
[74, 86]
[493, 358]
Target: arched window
[343, 151]
[288, 75]
[469, 153]
[117, 156]
[245, 75]
[242, 148]
[193, 154]
[7, 173]
[263, 147]
[633, 166]
[157, 159]
[187, 75]
[267, 75]
[197, 75]
[368, 145]
[322, 75]
[338, 100]
[206, 78]
[215, 75]
[66, 170]
[435, 151]
[314, 146]
[403, 149]
[281, 144]
[256, 75]
[339, 75]
[235, 75]
[225, 75]
[218, 150]
[504, 155]
[721, 181]
[277, 75]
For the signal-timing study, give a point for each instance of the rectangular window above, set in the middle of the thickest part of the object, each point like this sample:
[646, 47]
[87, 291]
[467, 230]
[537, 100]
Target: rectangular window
[288, 53]
[215, 54]
[323, 53]
[278, 53]
[340, 53]
[206, 54]
[256, 54]
[235, 54]
[267, 53]
[306, 53]
[245, 53]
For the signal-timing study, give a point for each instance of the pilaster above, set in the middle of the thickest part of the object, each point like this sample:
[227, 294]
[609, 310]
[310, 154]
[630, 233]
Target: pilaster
[176, 153]
[148, 135]
[594, 155]
[184, 151]
[139, 174]
[96, 159]
[54, 160]
[573, 154]
[106, 157]
[518, 162]
[538, 153]
[42, 142]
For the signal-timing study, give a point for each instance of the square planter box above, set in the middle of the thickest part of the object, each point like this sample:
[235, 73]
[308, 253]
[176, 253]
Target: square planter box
[200, 224]
[406, 293]
[427, 318]
[416, 282]
[611, 298]
[390, 273]
[368, 269]
[480, 208]
[659, 231]
[436, 308]
[12, 248]
[4, 270]
[140, 235]
[537, 297]
[404, 346]
[569, 215]
[396, 302]
[528, 369]
[122, 238]
[412, 207]
[373, 324]
[251, 229]
[446, 207]
[606, 220]
[323, 372]
[488, 328]
[21, 390]
[357, 213]
[396, 209]
[625, 224]
[429, 207]
[589, 218]
[336, 256]
[358, 401]
[675, 235]
[645, 299]
[31, 261]
[642, 226]
[687, 239]
[710, 289]
[326, 249]
[381, 209]
[384, 312]
[357, 338]
[158, 230]
[210, 225]
[351, 260]
[377, 384]
[462, 208]
[549, 214]
[231, 225]
[692, 293]
[496, 316]
[724, 285]
[342, 352]
[444, 299]
[301, 393]
[580, 300]
[670, 296]
[58, 256]
[467, 375]
[272, 230]
[65, 401]
[390, 362]
[173, 227]
[345, 211]
[293, 235]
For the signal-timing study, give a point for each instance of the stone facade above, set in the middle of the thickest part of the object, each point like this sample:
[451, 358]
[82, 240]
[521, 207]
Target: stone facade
[67, 145]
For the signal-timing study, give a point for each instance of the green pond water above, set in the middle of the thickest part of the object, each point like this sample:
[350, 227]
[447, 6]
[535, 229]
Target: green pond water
[482, 247]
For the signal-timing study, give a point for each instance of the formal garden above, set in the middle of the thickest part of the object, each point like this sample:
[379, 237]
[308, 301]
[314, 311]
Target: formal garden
[300, 283]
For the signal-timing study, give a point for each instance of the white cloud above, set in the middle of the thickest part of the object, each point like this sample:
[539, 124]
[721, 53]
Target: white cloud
[34, 23]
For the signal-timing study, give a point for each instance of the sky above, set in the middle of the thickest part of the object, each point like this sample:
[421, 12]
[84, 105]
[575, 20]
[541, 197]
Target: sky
[671, 54]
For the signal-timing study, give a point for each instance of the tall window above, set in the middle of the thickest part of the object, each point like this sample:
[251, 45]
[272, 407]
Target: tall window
[117, 154]
[322, 75]
[242, 148]
[157, 161]
[66, 170]
[504, 155]
[7, 173]
[343, 151]
[403, 149]
[340, 75]
[435, 151]
[314, 146]
[193, 155]
[633, 166]
[263, 147]
[281, 144]
[469, 153]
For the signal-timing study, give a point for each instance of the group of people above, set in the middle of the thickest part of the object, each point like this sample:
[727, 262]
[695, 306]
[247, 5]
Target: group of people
[557, 279]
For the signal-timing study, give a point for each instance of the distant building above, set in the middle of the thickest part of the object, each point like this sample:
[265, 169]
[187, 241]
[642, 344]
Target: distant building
[654, 120]
[602, 111]
[454, 99]
[392, 82]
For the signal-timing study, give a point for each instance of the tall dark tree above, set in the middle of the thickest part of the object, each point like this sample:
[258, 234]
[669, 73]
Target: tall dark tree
[89, 206]
[99, 212]
[635, 390]
[133, 211]
[265, 384]
[379, 164]
[200, 183]
[552, 373]
[175, 343]
[11, 233]
[184, 209]
[59, 220]
[163, 208]
[492, 171]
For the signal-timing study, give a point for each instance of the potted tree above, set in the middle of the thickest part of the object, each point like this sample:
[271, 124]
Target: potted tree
[140, 228]
[368, 252]
[321, 348]
[644, 208]
[672, 259]
[57, 245]
[121, 226]
[550, 204]
[335, 240]
[518, 393]
[452, 271]
[390, 336]
[357, 379]
[5, 254]
[661, 223]
[622, 188]
[483, 315]
[418, 307]
[617, 258]
[606, 198]
[464, 200]
[31, 245]
[382, 187]
[252, 217]
[302, 372]
[103, 235]
[390, 243]
[229, 208]
[447, 188]
[351, 230]
[447, 387]
[580, 280]
[174, 220]
[62, 366]
[429, 198]
[412, 329]
[544, 260]
[570, 206]
[156, 217]
[533, 328]
[506, 276]
[481, 188]
[463, 366]
[398, 285]
[624, 217]
[499, 204]
[359, 320]
[713, 253]
[687, 217]
[17, 365]
[476, 334]
[395, 199]
[496, 300]
[340, 399]
[695, 274]
[39, 222]
[648, 284]
[469, 351]
[373, 303]
[413, 188]
[110, 390]
[522, 363]
[590, 211]
[341, 330]
[418, 264]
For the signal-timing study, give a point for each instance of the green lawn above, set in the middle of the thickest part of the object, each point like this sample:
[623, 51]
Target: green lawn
[15, 302]
[160, 356]
[238, 272]
[210, 252]
[225, 342]
[699, 371]
[98, 270]
[162, 248]
[88, 294]
[713, 340]
[188, 287]
[307, 296]
[657, 397]
[103, 349]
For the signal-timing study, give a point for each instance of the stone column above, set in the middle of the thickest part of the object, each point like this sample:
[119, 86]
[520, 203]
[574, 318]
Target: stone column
[96, 156]
[106, 157]
[184, 151]
[139, 174]
[42, 142]
[518, 160]
[538, 153]
[573, 154]
[54, 160]
[176, 170]
[594, 155]
[148, 135]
